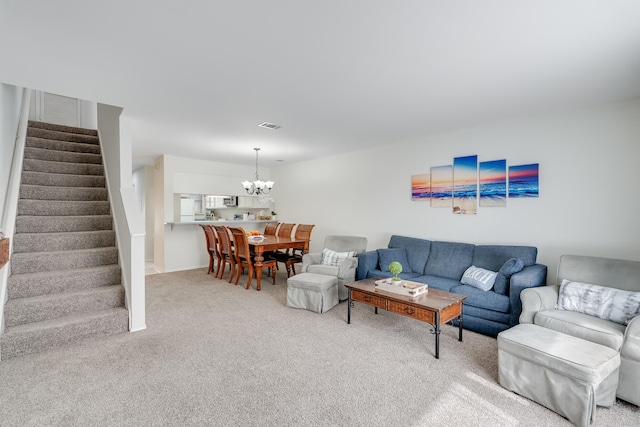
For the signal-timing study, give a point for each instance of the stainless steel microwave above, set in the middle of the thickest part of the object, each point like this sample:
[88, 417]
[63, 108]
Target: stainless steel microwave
[230, 201]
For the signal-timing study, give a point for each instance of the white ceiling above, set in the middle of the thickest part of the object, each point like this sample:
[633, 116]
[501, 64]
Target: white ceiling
[197, 77]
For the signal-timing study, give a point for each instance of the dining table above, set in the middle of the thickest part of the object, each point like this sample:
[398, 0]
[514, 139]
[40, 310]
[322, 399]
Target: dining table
[273, 243]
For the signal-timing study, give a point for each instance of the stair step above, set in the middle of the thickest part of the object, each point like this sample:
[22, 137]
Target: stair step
[62, 136]
[41, 336]
[34, 262]
[62, 128]
[64, 241]
[62, 180]
[61, 156]
[52, 306]
[40, 192]
[53, 224]
[62, 167]
[33, 284]
[52, 144]
[57, 208]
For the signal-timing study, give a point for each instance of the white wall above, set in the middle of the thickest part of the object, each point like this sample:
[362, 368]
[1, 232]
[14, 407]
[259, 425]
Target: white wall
[10, 105]
[588, 200]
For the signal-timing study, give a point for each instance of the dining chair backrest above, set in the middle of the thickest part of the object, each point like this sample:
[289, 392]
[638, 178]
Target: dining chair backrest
[225, 242]
[240, 244]
[213, 239]
[270, 229]
[303, 231]
[284, 230]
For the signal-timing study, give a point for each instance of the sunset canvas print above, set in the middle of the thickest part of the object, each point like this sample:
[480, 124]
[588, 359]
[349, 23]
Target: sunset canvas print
[441, 186]
[523, 181]
[465, 185]
[493, 183]
[421, 187]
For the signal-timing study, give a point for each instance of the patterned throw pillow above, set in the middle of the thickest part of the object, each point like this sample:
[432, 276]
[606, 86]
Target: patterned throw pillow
[330, 257]
[479, 278]
[611, 304]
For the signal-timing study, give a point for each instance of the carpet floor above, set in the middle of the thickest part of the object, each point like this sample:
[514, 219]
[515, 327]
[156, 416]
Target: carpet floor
[215, 354]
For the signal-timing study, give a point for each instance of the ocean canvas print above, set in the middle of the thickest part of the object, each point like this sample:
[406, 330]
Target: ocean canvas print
[493, 183]
[523, 181]
[421, 187]
[442, 186]
[465, 185]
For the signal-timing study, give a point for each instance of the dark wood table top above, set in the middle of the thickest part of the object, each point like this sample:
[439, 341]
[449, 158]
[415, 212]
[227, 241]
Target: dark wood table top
[434, 299]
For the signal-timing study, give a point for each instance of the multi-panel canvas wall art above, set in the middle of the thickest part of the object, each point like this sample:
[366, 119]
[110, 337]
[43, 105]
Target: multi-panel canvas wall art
[493, 183]
[421, 187]
[523, 181]
[465, 185]
[442, 186]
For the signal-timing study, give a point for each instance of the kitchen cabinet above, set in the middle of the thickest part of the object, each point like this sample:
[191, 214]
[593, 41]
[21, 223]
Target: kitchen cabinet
[253, 202]
[214, 202]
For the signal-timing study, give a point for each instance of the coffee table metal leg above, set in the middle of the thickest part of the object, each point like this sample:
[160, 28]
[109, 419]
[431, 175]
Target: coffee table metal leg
[437, 335]
[349, 302]
[460, 327]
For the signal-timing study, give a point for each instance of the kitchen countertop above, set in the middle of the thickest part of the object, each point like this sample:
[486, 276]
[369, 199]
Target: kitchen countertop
[226, 221]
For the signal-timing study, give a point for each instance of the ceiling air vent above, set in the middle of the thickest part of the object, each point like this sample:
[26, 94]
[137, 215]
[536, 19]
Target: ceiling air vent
[269, 125]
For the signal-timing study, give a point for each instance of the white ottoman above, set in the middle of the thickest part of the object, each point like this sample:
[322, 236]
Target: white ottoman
[315, 292]
[566, 374]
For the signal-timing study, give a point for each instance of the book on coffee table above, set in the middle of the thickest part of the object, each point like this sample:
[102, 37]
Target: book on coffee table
[408, 288]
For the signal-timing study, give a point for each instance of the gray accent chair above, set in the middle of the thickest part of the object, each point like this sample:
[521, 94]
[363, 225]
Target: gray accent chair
[345, 272]
[538, 307]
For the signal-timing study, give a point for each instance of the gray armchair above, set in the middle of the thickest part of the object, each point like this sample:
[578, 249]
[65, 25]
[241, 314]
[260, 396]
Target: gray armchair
[346, 271]
[539, 307]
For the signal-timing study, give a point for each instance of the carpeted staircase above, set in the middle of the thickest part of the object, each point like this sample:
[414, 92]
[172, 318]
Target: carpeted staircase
[65, 283]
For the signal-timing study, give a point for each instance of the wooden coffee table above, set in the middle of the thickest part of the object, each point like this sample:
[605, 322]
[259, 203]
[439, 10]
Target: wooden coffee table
[436, 307]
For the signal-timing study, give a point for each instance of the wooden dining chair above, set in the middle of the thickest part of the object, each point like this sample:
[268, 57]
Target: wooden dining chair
[244, 258]
[215, 245]
[212, 250]
[294, 256]
[284, 229]
[226, 251]
[270, 229]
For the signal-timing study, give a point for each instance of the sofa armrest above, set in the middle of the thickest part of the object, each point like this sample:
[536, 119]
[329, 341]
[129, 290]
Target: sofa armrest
[537, 299]
[348, 268]
[631, 344]
[530, 277]
[310, 259]
[367, 261]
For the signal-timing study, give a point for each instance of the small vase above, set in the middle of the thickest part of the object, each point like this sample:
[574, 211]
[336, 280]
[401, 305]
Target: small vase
[396, 282]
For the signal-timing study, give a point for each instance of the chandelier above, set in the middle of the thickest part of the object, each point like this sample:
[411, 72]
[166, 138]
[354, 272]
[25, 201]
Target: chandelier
[257, 186]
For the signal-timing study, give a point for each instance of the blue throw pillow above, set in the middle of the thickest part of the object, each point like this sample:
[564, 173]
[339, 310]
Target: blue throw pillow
[387, 256]
[508, 269]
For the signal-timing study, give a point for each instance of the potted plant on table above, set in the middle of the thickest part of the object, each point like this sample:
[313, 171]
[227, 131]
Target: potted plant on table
[395, 268]
[274, 216]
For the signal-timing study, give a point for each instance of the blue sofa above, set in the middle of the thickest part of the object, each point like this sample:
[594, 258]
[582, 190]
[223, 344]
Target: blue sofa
[442, 264]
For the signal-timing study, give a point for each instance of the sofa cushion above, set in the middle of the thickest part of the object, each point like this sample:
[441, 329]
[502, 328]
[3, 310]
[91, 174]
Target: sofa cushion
[583, 326]
[330, 257]
[449, 259]
[483, 299]
[617, 305]
[508, 269]
[492, 257]
[387, 256]
[479, 278]
[417, 250]
[328, 270]
[441, 283]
